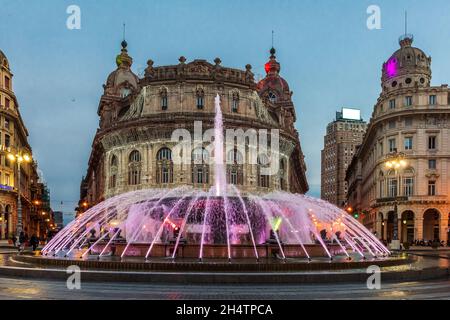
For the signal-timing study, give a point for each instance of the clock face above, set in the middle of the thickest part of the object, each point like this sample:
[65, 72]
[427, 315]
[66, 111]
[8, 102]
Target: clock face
[272, 97]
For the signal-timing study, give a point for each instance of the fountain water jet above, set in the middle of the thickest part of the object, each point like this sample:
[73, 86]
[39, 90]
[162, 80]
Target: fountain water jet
[228, 223]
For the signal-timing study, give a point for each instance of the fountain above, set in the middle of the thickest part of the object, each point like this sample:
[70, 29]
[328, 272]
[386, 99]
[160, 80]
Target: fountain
[186, 223]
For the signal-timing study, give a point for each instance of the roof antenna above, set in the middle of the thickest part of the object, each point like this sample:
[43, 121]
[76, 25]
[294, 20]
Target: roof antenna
[124, 42]
[273, 32]
[406, 23]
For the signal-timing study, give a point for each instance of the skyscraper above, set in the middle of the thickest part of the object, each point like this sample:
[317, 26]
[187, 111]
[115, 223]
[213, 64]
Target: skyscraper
[341, 139]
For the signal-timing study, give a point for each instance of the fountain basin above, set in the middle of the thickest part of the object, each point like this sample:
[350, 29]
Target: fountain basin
[216, 251]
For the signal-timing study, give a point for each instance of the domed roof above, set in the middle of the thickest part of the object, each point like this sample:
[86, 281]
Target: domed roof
[3, 60]
[273, 82]
[407, 61]
[123, 73]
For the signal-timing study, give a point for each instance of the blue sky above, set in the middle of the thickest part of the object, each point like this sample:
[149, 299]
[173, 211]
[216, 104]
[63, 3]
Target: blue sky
[327, 55]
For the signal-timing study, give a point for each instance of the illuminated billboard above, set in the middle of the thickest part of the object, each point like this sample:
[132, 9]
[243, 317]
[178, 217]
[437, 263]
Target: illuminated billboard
[351, 114]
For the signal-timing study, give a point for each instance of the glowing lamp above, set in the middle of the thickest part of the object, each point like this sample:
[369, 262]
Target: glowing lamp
[267, 67]
[11, 157]
[27, 158]
[391, 68]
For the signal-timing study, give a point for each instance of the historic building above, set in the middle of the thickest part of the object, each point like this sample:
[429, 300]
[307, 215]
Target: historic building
[133, 148]
[14, 143]
[404, 160]
[341, 139]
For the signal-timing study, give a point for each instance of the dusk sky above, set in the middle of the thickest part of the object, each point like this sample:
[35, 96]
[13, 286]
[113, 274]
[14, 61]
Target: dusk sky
[328, 56]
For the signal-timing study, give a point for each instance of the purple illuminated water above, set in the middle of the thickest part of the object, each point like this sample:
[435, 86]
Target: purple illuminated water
[220, 216]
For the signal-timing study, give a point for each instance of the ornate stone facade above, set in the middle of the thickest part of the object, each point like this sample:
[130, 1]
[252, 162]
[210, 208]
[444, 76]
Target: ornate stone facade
[14, 139]
[411, 117]
[133, 148]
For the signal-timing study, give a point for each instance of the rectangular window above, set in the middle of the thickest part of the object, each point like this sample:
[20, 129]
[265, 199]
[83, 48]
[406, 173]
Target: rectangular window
[7, 180]
[433, 100]
[392, 104]
[7, 83]
[408, 122]
[408, 101]
[392, 145]
[234, 105]
[381, 149]
[200, 175]
[432, 164]
[164, 103]
[408, 185]
[432, 143]
[392, 184]
[264, 181]
[431, 188]
[408, 143]
[392, 124]
[112, 181]
[6, 124]
[7, 103]
[7, 141]
[233, 177]
[200, 102]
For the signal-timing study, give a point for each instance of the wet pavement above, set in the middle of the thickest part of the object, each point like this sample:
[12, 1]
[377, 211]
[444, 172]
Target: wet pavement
[36, 289]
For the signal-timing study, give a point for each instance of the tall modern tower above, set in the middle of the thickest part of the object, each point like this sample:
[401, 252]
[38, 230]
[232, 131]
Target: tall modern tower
[341, 139]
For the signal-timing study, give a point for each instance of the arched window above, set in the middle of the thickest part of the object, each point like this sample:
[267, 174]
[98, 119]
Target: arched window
[200, 95]
[114, 162]
[164, 99]
[113, 172]
[125, 92]
[164, 166]
[135, 156]
[263, 177]
[134, 168]
[235, 167]
[200, 166]
[235, 102]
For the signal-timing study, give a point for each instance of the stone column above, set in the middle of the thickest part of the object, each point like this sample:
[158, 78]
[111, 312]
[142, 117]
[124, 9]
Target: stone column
[3, 235]
[418, 228]
[400, 229]
[385, 229]
[443, 230]
[378, 226]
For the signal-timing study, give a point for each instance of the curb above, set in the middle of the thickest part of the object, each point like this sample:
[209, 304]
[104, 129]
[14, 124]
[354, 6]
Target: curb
[225, 277]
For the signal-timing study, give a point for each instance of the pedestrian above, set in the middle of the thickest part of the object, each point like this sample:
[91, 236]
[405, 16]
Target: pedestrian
[21, 240]
[14, 240]
[34, 242]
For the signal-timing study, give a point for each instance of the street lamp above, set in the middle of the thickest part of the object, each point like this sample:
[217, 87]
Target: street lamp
[19, 158]
[396, 162]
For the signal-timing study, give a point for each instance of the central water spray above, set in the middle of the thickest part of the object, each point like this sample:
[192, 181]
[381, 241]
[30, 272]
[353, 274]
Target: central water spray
[219, 168]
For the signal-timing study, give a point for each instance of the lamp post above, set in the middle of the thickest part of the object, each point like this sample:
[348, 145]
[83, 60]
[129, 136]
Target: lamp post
[19, 158]
[396, 161]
